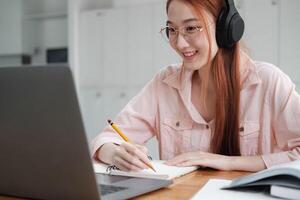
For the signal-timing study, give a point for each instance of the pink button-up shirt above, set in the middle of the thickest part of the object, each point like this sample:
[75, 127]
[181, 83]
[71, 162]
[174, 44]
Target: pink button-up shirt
[269, 118]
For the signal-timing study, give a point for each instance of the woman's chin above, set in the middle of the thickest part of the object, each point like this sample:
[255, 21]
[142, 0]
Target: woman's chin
[191, 66]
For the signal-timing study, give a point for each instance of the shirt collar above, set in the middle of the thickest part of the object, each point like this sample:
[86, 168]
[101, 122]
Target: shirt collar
[251, 76]
[179, 78]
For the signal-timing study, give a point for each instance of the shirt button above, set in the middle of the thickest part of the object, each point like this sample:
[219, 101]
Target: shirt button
[207, 127]
[177, 124]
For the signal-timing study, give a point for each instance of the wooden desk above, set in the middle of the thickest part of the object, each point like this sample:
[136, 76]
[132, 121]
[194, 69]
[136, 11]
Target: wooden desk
[184, 187]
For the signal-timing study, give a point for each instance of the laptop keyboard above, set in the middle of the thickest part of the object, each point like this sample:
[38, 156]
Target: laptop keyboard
[107, 189]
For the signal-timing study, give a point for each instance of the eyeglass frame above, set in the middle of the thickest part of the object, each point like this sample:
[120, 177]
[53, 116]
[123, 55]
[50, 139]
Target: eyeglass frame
[182, 31]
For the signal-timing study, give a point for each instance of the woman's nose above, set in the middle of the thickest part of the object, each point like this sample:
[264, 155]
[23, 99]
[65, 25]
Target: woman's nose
[181, 42]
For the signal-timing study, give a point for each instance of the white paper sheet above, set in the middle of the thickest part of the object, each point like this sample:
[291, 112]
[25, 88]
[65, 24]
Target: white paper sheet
[212, 191]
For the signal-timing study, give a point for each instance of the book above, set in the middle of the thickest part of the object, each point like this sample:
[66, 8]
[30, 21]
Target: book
[163, 171]
[287, 174]
[285, 192]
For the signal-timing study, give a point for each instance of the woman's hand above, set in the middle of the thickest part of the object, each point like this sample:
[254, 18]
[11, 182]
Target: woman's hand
[200, 158]
[126, 156]
[217, 161]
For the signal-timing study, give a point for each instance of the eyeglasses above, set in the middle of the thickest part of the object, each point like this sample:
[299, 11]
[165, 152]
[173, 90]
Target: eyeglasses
[188, 32]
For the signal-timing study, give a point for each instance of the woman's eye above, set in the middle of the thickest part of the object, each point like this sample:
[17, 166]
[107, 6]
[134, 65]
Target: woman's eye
[191, 29]
[171, 30]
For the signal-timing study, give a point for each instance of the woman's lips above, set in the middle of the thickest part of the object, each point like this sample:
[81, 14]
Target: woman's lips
[189, 55]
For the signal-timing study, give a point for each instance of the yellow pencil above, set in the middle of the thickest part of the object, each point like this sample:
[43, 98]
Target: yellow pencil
[115, 127]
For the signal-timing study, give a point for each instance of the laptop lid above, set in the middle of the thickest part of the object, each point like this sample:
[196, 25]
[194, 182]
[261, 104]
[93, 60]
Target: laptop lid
[44, 151]
[40, 123]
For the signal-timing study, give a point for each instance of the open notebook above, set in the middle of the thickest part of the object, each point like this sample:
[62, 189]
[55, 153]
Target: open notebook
[162, 171]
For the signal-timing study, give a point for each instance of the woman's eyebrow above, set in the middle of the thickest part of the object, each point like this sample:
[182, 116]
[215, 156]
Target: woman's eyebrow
[184, 21]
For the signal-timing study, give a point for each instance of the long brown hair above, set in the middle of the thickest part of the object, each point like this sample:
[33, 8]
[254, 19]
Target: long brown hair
[226, 78]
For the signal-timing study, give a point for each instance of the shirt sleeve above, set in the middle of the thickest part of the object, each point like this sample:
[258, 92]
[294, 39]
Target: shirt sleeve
[285, 103]
[137, 120]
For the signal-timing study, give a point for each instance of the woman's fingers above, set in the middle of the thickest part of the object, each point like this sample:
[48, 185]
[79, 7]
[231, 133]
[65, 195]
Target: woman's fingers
[185, 157]
[142, 148]
[131, 157]
[124, 165]
[136, 152]
[176, 160]
[130, 154]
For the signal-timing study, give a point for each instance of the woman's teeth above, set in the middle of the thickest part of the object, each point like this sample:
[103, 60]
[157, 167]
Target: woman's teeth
[190, 53]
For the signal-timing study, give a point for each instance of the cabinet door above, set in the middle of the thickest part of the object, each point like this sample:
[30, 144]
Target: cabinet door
[103, 48]
[115, 43]
[92, 109]
[140, 31]
[261, 29]
[91, 49]
[100, 104]
[289, 38]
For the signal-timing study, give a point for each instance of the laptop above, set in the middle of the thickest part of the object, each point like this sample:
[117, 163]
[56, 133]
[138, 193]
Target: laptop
[44, 152]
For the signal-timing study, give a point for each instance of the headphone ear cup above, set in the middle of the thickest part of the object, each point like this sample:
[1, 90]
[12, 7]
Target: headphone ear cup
[220, 28]
[229, 27]
[235, 29]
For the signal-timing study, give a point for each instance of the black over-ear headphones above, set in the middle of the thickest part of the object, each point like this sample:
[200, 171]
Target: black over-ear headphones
[230, 26]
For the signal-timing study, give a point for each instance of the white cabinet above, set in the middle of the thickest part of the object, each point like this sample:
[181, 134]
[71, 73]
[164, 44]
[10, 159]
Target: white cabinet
[91, 47]
[115, 54]
[122, 46]
[139, 46]
[103, 48]
[103, 66]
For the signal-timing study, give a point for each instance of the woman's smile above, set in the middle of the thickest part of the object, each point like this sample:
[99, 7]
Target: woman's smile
[189, 55]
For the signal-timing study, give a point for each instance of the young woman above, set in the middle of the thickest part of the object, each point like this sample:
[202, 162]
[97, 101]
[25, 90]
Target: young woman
[217, 109]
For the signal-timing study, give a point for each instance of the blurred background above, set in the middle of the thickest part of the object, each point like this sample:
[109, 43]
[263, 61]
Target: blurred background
[114, 47]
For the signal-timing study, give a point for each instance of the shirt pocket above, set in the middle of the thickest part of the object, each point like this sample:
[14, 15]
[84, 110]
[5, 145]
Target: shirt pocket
[175, 136]
[249, 135]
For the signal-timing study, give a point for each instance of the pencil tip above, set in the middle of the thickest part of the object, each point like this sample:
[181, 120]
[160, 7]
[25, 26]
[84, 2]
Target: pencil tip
[109, 121]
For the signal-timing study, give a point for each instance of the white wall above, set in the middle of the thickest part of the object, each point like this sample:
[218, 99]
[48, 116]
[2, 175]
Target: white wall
[10, 27]
[289, 56]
